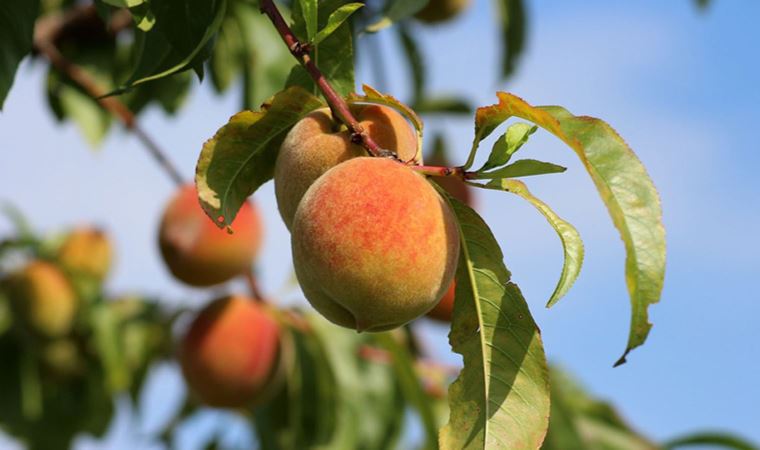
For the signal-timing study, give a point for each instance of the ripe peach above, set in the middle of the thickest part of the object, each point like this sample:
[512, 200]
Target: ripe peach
[231, 352]
[438, 11]
[199, 253]
[86, 251]
[42, 295]
[317, 143]
[374, 245]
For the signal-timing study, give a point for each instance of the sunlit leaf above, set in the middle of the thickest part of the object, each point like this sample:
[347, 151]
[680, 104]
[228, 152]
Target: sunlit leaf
[179, 40]
[501, 398]
[521, 168]
[623, 184]
[334, 56]
[16, 33]
[571, 241]
[310, 11]
[508, 143]
[241, 155]
[335, 20]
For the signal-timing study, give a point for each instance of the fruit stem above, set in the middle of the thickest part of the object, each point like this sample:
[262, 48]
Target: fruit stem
[302, 53]
[253, 286]
[442, 171]
[50, 29]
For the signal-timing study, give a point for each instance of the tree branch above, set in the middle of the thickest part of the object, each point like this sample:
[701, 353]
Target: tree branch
[49, 30]
[339, 106]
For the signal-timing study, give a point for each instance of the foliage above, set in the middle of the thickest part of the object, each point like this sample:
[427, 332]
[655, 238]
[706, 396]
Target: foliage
[504, 396]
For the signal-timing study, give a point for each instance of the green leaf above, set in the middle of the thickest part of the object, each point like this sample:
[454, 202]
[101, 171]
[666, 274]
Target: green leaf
[501, 398]
[414, 62]
[516, 136]
[310, 11]
[713, 439]
[513, 23]
[442, 105]
[241, 155]
[226, 61]
[16, 32]
[334, 21]
[105, 326]
[180, 39]
[403, 365]
[571, 240]
[521, 168]
[395, 10]
[334, 56]
[624, 186]
[266, 62]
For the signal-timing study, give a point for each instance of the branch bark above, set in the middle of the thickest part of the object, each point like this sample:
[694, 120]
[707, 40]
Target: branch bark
[49, 30]
[337, 104]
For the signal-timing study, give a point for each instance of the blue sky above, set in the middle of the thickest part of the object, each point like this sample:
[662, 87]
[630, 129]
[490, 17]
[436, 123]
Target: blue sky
[679, 86]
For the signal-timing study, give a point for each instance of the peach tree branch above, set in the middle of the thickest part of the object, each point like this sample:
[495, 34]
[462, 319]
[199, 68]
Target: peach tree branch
[48, 30]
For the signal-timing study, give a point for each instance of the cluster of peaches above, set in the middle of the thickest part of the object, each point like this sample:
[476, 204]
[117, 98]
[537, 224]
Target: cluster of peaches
[374, 246]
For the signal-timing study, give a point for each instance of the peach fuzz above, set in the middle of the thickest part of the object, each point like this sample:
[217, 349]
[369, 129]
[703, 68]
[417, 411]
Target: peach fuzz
[374, 245]
[198, 252]
[230, 353]
[317, 143]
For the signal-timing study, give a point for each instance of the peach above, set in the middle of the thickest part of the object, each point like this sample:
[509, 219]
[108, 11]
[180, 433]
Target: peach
[317, 143]
[374, 245]
[86, 251]
[438, 11]
[230, 353]
[445, 307]
[198, 252]
[43, 296]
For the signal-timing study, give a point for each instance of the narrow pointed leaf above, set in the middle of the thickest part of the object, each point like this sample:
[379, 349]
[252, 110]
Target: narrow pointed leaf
[516, 136]
[403, 366]
[571, 240]
[414, 62]
[334, 55]
[395, 10]
[16, 32]
[335, 20]
[501, 398]
[624, 186]
[714, 440]
[522, 168]
[309, 9]
[241, 155]
[513, 23]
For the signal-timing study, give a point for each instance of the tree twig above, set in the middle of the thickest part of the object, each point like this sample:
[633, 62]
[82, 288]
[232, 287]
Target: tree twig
[253, 286]
[301, 52]
[49, 30]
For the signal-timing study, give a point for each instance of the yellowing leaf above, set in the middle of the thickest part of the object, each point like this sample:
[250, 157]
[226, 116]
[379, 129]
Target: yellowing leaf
[241, 155]
[571, 240]
[623, 184]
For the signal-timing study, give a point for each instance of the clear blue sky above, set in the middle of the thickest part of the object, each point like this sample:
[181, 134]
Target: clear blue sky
[680, 86]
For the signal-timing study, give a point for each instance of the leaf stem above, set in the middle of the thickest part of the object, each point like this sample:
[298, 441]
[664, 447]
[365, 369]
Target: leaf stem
[49, 30]
[302, 53]
[442, 171]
